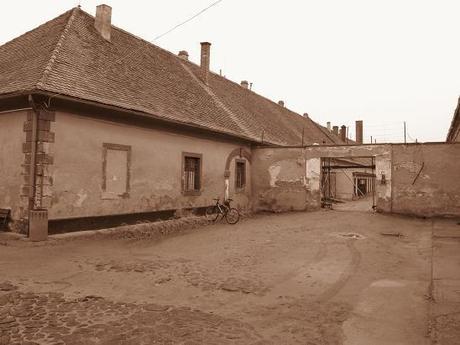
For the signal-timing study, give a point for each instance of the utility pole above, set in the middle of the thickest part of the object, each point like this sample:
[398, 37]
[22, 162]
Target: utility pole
[405, 141]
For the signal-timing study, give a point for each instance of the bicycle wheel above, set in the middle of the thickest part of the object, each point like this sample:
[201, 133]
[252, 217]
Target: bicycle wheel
[212, 213]
[232, 216]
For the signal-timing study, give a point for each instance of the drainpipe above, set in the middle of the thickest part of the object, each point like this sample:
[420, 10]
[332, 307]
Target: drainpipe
[33, 153]
[38, 218]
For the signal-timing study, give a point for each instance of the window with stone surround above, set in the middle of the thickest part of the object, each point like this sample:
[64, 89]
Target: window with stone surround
[116, 163]
[191, 180]
[240, 174]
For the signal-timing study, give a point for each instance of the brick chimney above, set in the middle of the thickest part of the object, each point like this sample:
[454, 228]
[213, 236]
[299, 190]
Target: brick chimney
[183, 55]
[335, 130]
[205, 60]
[328, 126]
[306, 115]
[281, 103]
[245, 84]
[359, 131]
[103, 21]
[343, 133]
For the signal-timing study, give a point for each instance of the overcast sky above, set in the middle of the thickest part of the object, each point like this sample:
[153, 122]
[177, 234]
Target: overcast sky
[383, 62]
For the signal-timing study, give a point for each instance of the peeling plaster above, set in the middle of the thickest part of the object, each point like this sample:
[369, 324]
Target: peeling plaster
[81, 198]
[274, 171]
[313, 173]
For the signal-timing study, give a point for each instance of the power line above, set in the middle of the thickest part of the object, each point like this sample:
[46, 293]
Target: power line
[173, 28]
[188, 20]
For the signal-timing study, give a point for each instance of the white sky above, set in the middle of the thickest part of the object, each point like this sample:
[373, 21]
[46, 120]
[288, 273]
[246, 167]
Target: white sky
[383, 62]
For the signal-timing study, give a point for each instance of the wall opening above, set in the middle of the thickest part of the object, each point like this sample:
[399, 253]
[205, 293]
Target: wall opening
[348, 183]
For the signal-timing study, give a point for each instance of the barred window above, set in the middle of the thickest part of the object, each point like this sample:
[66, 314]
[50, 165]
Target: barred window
[192, 173]
[240, 175]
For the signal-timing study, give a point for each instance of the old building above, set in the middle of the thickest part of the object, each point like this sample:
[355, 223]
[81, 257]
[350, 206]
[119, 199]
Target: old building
[96, 122]
[454, 130]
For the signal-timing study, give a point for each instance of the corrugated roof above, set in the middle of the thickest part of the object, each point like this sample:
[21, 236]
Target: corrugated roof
[69, 57]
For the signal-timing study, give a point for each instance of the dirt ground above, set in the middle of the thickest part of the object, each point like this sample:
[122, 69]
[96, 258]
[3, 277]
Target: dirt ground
[326, 277]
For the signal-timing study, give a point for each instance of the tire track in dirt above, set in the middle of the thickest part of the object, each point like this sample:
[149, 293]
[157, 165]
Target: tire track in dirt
[345, 276]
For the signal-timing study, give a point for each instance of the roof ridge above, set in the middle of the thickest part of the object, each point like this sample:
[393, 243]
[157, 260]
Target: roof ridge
[31, 30]
[217, 100]
[325, 131]
[208, 89]
[41, 83]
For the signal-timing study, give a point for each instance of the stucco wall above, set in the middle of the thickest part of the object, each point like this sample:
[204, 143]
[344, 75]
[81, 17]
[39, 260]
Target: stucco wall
[155, 169]
[278, 180]
[289, 178]
[436, 190]
[11, 159]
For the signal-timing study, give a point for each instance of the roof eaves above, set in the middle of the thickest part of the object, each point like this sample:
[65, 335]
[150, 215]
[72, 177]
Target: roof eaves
[149, 114]
[41, 83]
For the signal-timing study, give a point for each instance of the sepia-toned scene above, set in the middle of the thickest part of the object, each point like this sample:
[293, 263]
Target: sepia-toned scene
[147, 196]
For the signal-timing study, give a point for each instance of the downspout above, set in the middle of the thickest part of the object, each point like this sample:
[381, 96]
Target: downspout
[33, 152]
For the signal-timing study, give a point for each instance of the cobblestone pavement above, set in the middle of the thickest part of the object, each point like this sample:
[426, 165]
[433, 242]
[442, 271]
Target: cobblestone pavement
[49, 318]
[292, 279]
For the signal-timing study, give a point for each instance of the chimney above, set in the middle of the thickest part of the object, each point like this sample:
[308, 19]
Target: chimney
[306, 115]
[205, 59]
[183, 55]
[245, 84]
[281, 103]
[103, 20]
[335, 130]
[328, 126]
[359, 131]
[343, 133]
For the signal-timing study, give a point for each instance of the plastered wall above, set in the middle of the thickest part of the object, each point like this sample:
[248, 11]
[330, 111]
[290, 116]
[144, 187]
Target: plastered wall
[288, 179]
[155, 169]
[12, 138]
[279, 182]
[426, 179]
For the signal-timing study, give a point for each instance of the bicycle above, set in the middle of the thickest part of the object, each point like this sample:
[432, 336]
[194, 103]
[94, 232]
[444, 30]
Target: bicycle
[232, 216]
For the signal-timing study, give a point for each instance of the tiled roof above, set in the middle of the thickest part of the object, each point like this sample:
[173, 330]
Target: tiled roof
[454, 129]
[68, 56]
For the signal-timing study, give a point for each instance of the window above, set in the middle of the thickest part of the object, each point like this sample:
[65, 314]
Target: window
[115, 171]
[240, 174]
[192, 173]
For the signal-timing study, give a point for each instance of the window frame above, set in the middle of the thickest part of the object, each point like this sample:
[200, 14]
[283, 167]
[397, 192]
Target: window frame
[199, 156]
[117, 147]
[237, 188]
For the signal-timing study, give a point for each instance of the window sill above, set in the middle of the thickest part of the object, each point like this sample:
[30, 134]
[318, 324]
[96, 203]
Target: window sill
[191, 192]
[113, 196]
[240, 190]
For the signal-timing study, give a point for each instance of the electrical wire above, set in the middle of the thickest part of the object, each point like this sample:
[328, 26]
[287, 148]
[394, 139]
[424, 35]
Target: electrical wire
[188, 20]
[173, 28]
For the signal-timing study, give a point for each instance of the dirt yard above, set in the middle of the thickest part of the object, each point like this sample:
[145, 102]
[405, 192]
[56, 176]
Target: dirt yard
[326, 277]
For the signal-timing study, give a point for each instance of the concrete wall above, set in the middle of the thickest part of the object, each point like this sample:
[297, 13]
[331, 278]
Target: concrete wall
[11, 159]
[155, 169]
[436, 190]
[287, 179]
